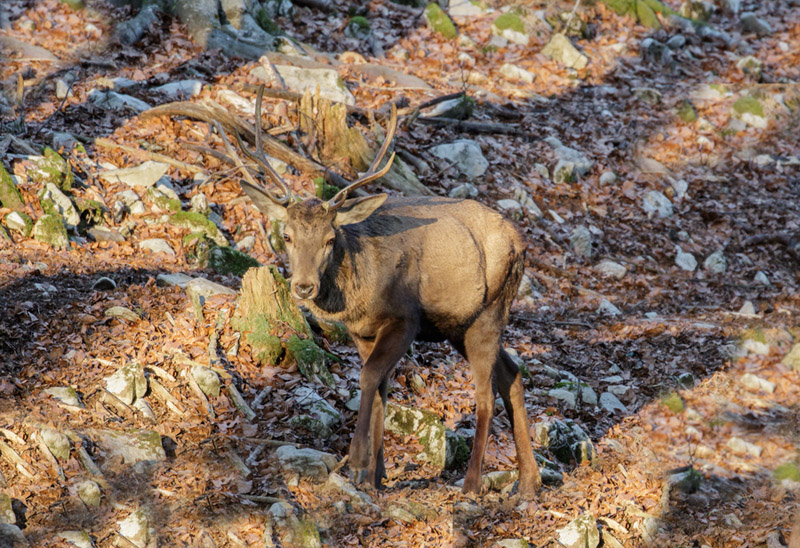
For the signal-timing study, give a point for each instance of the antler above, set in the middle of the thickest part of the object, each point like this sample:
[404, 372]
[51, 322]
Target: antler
[370, 175]
[258, 157]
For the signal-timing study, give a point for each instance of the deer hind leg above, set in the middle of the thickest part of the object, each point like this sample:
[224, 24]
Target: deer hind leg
[508, 381]
[376, 468]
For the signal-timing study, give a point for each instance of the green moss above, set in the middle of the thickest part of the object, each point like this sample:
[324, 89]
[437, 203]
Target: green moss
[334, 331]
[686, 112]
[673, 402]
[310, 359]
[197, 222]
[74, 4]
[439, 21]
[9, 193]
[324, 191]
[748, 104]
[361, 22]
[509, 21]
[51, 168]
[27, 221]
[226, 260]
[647, 16]
[163, 201]
[789, 471]
[50, 229]
[267, 348]
[265, 22]
[91, 210]
[643, 10]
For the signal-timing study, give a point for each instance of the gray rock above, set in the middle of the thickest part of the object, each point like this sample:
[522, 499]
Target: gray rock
[306, 462]
[757, 384]
[751, 23]
[650, 96]
[751, 65]
[100, 234]
[655, 202]
[580, 533]
[610, 269]
[199, 204]
[561, 50]
[581, 242]
[58, 444]
[680, 187]
[62, 88]
[512, 543]
[744, 448]
[174, 280]
[116, 101]
[399, 514]
[207, 379]
[205, 289]
[6, 511]
[157, 245]
[50, 230]
[465, 154]
[131, 446]
[571, 163]
[732, 7]
[749, 310]
[608, 178]
[656, 52]
[439, 448]
[465, 8]
[676, 42]
[685, 261]
[65, 394]
[297, 79]
[80, 539]
[611, 403]
[64, 140]
[122, 312]
[128, 383]
[138, 529]
[182, 89]
[246, 244]
[130, 201]
[360, 501]
[15, 221]
[12, 536]
[716, 263]
[567, 396]
[89, 492]
[607, 307]
[514, 73]
[464, 190]
[321, 417]
[292, 532]
[63, 205]
[588, 395]
[142, 176]
[104, 283]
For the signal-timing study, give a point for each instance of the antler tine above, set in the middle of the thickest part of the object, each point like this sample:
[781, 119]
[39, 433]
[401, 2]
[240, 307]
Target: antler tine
[370, 175]
[238, 161]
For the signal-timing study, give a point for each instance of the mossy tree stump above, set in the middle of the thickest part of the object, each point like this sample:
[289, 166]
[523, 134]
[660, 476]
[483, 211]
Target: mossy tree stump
[274, 326]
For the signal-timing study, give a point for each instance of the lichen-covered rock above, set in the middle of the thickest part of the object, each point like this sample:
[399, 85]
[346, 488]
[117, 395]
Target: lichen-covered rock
[79, 539]
[290, 531]
[439, 21]
[122, 312]
[65, 394]
[50, 230]
[360, 501]
[792, 359]
[581, 242]
[580, 533]
[207, 379]
[297, 79]
[89, 492]
[750, 110]
[321, 417]
[55, 202]
[441, 449]
[9, 193]
[51, 168]
[132, 446]
[128, 383]
[511, 27]
[565, 440]
[6, 511]
[162, 201]
[157, 245]
[306, 462]
[196, 222]
[19, 222]
[58, 444]
[561, 50]
[138, 528]
[466, 155]
[144, 175]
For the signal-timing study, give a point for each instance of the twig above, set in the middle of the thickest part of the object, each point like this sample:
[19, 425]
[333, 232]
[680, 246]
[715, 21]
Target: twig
[572, 14]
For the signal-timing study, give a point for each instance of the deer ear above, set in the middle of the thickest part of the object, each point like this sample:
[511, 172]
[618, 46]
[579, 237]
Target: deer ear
[263, 202]
[355, 211]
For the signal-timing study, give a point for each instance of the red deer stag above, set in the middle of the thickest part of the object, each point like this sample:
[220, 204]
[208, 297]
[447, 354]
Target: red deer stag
[395, 270]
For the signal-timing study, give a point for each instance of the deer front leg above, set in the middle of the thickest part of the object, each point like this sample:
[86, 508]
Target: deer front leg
[391, 342]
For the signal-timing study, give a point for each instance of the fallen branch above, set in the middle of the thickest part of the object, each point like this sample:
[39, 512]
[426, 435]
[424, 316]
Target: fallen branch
[472, 127]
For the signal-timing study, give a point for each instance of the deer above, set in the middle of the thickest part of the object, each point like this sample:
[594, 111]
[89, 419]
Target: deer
[398, 269]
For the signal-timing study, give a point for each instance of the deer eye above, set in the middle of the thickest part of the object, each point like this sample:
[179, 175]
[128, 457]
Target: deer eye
[286, 237]
[329, 243]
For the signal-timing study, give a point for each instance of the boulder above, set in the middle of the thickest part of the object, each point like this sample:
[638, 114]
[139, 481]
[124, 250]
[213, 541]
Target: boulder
[298, 79]
[466, 154]
[561, 50]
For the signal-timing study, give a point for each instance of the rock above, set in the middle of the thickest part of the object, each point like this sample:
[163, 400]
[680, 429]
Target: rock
[199, 223]
[580, 533]
[50, 229]
[64, 141]
[138, 529]
[89, 492]
[292, 532]
[542, 170]
[680, 187]
[6, 510]
[399, 514]
[207, 379]
[514, 73]
[607, 307]
[175, 280]
[750, 110]
[182, 89]
[511, 207]
[792, 359]
[581, 242]
[439, 21]
[142, 176]
[62, 89]
[80, 539]
[54, 201]
[561, 50]
[12, 536]
[466, 155]
[647, 95]
[526, 201]
[298, 79]
[50, 168]
[716, 263]
[306, 462]
[757, 384]
[360, 501]
[655, 202]
[128, 383]
[567, 396]
[131, 202]
[743, 448]
[199, 204]
[748, 309]
[565, 439]
[608, 178]
[131, 447]
[358, 27]
[205, 289]
[588, 395]
[751, 23]
[65, 394]
[609, 541]
[112, 100]
[732, 7]
[157, 245]
[751, 65]
[512, 543]
[685, 261]
[464, 190]
[511, 27]
[610, 269]
[611, 403]
[321, 417]
[465, 8]
[19, 222]
[246, 244]
[104, 283]
[656, 52]
[676, 42]
[439, 448]
[58, 444]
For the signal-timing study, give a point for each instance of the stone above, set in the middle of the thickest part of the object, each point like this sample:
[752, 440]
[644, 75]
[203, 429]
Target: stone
[649, 96]
[611, 403]
[748, 309]
[465, 154]
[50, 229]
[89, 492]
[157, 245]
[743, 448]
[62, 88]
[138, 529]
[757, 384]
[207, 379]
[298, 79]
[19, 222]
[571, 162]
[182, 89]
[58, 444]
[465, 8]
[511, 27]
[656, 52]
[142, 176]
[607, 307]
[680, 187]
[512, 543]
[246, 244]
[205, 289]
[510, 206]
[581, 242]
[751, 23]
[291, 531]
[104, 283]
[321, 418]
[64, 141]
[514, 73]
[750, 110]
[751, 66]
[128, 383]
[716, 263]
[654, 202]
[360, 501]
[439, 22]
[112, 100]
[561, 50]
[581, 532]
[676, 42]
[564, 395]
[199, 223]
[176, 279]
[608, 178]
[12, 536]
[131, 446]
[226, 260]
[792, 358]
[565, 439]
[439, 448]
[761, 279]
[610, 269]
[65, 394]
[306, 462]
[685, 261]
[464, 190]
[526, 201]
[56, 202]
[6, 510]
[101, 234]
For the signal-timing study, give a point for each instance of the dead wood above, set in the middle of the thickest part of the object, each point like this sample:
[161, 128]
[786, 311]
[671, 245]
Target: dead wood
[473, 127]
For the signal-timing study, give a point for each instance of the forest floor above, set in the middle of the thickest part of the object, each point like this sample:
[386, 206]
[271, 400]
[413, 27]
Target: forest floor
[741, 182]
